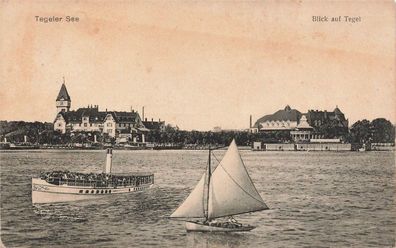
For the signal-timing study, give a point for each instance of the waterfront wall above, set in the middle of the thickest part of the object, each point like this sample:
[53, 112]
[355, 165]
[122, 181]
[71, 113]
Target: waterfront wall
[324, 147]
[382, 146]
[303, 147]
[279, 147]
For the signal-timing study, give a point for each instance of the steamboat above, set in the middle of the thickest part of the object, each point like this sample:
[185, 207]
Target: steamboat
[66, 186]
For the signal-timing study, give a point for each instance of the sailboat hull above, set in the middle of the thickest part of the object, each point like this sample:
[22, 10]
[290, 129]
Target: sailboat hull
[200, 227]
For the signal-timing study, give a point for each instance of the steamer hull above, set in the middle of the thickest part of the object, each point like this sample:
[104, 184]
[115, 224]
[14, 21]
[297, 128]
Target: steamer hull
[44, 192]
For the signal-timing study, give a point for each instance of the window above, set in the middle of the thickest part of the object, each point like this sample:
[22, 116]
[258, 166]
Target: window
[109, 131]
[109, 124]
[87, 191]
[90, 124]
[81, 191]
[59, 125]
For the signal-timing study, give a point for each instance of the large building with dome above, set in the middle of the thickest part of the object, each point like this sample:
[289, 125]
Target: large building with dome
[313, 124]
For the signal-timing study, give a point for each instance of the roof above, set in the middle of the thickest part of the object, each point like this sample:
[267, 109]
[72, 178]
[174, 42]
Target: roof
[337, 111]
[97, 116]
[124, 116]
[318, 115]
[153, 125]
[281, 115]
[304, 123]
[63, 95]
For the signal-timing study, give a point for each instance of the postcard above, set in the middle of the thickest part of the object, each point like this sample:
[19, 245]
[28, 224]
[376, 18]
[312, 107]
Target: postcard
[197, 123]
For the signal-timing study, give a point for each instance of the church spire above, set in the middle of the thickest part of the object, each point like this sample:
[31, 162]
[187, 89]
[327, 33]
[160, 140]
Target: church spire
[63, 94]
[63, 101]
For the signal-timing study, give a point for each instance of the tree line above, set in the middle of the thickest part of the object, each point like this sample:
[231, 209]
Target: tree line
[379, 130]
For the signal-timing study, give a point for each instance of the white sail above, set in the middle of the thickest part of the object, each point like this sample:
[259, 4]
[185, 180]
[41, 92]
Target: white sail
[193, 206]
[231, 191]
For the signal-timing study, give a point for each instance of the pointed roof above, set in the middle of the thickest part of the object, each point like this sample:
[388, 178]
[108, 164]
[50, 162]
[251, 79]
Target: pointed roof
[337, 111]
[304, 123]
[63, 95]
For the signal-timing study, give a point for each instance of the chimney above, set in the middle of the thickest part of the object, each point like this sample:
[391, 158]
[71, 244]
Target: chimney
[159, 120]
[109, 158]
[145, 119]
[143, 112]
[152, 120]
[250, 126]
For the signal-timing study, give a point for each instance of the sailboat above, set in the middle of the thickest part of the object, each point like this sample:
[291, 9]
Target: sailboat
[219, 195]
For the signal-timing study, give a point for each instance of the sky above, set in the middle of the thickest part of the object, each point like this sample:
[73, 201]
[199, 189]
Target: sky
[198, 65]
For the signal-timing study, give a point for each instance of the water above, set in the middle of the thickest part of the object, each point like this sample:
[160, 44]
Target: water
[316, 199]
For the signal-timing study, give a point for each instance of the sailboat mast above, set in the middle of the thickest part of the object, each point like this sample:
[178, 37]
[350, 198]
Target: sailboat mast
[207, 186]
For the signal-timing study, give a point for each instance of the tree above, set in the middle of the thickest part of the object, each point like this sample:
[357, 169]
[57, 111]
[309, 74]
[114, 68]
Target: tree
[382, 131]
[360, 132]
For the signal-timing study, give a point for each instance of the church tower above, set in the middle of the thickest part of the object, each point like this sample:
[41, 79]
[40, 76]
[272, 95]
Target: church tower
[63, 101]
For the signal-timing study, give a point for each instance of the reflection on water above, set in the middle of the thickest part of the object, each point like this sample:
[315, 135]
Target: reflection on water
[316, 199]
[62, 213]
[217, 239]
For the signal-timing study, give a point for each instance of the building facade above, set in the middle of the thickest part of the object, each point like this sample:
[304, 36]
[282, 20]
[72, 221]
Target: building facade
[328, 124]
[304, 126]
[303, 131]
[91, 119]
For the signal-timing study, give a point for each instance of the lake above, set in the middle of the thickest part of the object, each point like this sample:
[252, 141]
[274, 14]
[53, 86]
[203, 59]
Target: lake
[316, 199]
